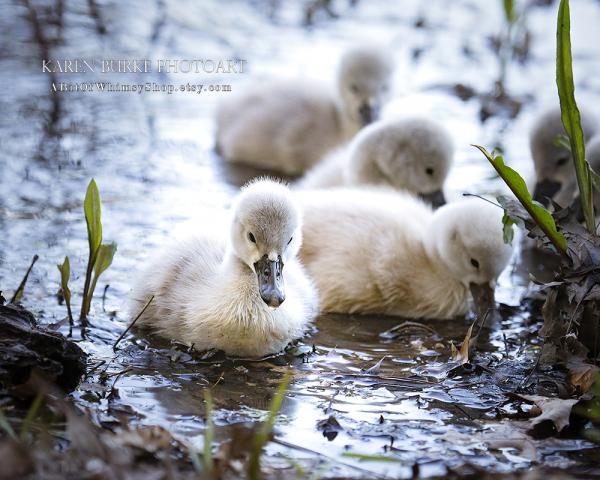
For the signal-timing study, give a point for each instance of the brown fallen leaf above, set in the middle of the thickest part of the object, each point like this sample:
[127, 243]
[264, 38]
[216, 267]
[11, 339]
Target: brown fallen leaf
[557, 410]
[462, 356]
[581, 374]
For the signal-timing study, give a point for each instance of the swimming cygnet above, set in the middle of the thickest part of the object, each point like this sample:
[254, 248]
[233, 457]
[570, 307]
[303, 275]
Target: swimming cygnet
[554, 170]
[287, 126]
[379, 251]
[246, 294]
[412, 154]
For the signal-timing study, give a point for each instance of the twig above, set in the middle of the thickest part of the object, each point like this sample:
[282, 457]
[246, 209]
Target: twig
[19, 292]
[482, 198]
[132, 323]
[104, 296]
[286, 444]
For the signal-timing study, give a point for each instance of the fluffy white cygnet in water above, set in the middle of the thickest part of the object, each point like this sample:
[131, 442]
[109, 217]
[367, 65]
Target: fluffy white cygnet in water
[287, 126]
[379, 251]
[244, 293]
[412, 154]
[554, 170]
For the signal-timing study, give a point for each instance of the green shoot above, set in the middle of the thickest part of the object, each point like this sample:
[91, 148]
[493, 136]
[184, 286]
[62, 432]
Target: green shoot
[31, 414]
[538, 213]
[6, 426]
[100, 255]
[509, 11]
[65, 275]
[571, 118]
[508, 232]
[262, 437]
[92, 211]
[105, 256]
[209, 432]
[18, 295]
[371, 458]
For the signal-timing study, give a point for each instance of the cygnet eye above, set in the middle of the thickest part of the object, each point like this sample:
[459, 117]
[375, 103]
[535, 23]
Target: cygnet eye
[429, 171]
[290, 240]
[251, 237]
[354, 88]
[475, 263]
[561, 161]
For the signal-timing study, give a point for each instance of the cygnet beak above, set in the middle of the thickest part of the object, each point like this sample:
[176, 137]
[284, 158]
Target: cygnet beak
[270, 281]
[436, 199]
[368, 113]
[544, 190]
[483, 298]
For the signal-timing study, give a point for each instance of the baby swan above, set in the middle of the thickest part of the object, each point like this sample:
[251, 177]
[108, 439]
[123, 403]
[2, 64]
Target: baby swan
[412, 154]
[554, 170]
[234, 294]
[288, 126]
[380, 251]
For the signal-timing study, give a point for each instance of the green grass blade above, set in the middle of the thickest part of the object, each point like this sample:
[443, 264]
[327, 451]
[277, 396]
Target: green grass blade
[371, 458]
[31, 414]
[517, 185]
[262, 437]
[571, 117]
[209, 433]
[6, 426]
[509, 10]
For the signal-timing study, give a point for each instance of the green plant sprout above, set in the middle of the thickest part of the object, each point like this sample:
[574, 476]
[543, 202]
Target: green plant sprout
[209, 433]
[539, 214]
[571, 118]
[263, 434]
[100, 255]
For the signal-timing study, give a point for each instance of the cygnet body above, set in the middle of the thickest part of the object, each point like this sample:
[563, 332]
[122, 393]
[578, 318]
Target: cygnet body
[287, 126]
[378, 251]
[244, 293]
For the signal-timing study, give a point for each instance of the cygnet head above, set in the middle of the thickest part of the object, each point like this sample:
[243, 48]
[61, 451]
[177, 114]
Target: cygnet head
[412, 154]
[266, 232]
[364, 78]
[469, 240]
[554, 169]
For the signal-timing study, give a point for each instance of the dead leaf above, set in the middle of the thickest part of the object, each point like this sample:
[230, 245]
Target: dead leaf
[556, 410]
[374, 369]
[581, 373]
[462, 356]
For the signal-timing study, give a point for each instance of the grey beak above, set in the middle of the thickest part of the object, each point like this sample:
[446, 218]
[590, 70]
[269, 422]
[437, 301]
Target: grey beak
[368, 114]
[483, 298]
[544, 190]
[436, 199]
[270, 281]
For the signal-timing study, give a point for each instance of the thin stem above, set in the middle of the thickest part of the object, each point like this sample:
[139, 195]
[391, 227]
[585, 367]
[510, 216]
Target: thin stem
[132, 323]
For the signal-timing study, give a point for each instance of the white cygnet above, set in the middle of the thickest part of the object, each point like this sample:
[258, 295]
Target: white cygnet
[287, 126]
[379, 251]
[411, 154]
[244, 293]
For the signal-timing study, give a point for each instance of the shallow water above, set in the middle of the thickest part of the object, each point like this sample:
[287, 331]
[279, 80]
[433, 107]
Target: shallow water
[151, 155]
